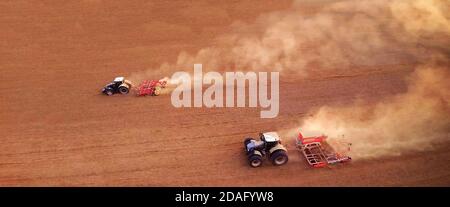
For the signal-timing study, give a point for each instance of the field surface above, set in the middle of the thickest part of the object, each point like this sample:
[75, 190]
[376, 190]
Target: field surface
[58, 130]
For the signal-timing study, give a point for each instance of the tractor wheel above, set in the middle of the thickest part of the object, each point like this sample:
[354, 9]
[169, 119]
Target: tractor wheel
[157, 91]
[123, 90]
[246, 141]
[109, 92]
[279, 157]
[255, 160]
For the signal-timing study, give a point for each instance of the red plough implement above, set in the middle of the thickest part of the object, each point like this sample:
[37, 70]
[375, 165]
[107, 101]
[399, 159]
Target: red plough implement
[151, 87]
[318, 153]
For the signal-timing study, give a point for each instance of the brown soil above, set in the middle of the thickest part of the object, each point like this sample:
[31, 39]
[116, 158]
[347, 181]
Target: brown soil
[58, 130]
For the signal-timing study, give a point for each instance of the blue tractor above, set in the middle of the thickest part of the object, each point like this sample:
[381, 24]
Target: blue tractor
[119, 85]
[269, 144]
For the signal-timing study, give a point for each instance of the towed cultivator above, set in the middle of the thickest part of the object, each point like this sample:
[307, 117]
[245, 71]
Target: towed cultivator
[317, 151]
[151, 87]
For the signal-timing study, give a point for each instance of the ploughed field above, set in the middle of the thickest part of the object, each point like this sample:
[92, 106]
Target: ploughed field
[57, 129]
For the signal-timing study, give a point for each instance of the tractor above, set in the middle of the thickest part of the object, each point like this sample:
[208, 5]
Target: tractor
[119, 85]
[269, 144]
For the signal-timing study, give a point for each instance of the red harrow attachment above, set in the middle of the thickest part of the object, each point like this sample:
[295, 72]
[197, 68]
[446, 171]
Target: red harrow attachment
[151, 87]
[318, 153]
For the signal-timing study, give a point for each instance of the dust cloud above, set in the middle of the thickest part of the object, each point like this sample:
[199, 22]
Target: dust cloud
[417, 120]
[312, 37]
[316, 37]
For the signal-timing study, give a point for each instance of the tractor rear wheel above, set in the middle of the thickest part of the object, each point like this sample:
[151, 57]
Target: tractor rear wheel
[123, 90]
[255, 160]
[279, 157]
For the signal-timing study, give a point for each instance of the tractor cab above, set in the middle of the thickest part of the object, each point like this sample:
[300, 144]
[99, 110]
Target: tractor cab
[118, 80]
[270, 139]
